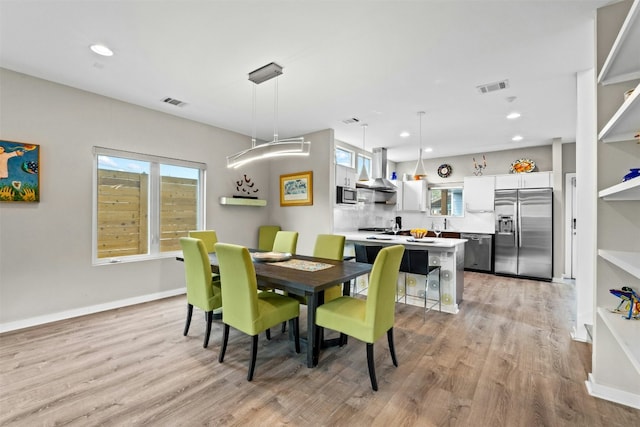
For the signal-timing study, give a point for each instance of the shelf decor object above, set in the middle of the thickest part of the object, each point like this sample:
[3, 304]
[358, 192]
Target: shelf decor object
[19, 177]
[277, 147]
[479, 167]
[296, 189]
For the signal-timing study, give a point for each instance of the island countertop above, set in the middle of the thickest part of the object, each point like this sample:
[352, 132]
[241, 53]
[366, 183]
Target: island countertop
[444, 252]
[387, 239]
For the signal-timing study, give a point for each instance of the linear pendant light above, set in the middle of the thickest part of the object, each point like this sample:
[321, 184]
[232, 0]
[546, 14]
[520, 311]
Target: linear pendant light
[277, 147]
[364, 176]
[419, 172]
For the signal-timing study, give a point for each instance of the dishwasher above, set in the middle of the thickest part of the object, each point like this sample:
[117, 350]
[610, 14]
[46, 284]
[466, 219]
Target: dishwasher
[478, 252]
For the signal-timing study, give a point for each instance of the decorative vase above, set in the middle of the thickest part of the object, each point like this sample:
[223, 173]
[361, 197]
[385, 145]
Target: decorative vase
[635, 172]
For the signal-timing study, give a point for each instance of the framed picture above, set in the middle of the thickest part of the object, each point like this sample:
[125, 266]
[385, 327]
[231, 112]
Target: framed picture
[19, 172]
[296, 189]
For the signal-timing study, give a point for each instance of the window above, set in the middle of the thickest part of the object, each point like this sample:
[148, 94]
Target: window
[143, 204]
[367, 164]
[344, 157]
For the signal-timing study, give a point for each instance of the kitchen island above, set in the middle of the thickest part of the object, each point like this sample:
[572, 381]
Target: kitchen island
[446, 253]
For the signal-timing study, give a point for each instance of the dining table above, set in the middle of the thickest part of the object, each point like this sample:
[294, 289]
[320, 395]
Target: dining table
[305, 276]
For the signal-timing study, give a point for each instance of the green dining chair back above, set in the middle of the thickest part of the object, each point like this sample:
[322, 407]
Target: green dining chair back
[367, 320]
[244, 308]
[266, 236]
[209, 237]
[202, 290]
[285, 241]
[330, 246]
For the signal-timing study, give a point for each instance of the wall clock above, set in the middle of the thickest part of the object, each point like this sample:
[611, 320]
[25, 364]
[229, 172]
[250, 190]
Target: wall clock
[444, 170]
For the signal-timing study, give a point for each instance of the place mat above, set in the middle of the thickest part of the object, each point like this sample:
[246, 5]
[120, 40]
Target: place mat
[300, 264]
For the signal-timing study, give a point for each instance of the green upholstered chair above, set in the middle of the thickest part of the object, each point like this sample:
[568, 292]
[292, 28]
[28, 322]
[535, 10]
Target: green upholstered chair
[266, 236]
[244, 308]
[203, 291]
[330, 246]
[209, 237]
[367, 320]
[285, 241]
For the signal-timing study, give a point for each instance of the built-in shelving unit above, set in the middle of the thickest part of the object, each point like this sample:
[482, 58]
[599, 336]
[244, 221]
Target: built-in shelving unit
[628, 190]
[623, 62]
[236, 201]
[625, 123]
[616, 347]
[626, 334]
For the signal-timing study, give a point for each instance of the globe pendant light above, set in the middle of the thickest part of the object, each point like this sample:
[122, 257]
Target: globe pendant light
[419, 172]
[364, 176]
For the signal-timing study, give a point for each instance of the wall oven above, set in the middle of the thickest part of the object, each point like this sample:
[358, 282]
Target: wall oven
[346, 195]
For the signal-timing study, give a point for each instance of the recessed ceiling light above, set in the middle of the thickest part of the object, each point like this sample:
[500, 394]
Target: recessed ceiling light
[517, 138]
[101, 49]
[428, 150]
[513, 115]
[405, 134]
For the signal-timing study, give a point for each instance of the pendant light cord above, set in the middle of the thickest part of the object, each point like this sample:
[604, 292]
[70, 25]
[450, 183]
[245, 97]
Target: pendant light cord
[253, 119]
[275, 112]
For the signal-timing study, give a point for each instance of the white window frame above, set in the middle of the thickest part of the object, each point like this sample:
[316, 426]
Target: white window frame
[154, 203]
[341, 148]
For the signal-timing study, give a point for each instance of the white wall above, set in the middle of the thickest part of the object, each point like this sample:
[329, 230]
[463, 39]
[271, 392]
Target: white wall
[45, 247]
[308, 221]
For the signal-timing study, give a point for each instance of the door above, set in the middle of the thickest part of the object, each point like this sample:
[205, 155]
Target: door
[535, 221]
[506, 257]
[570, 214]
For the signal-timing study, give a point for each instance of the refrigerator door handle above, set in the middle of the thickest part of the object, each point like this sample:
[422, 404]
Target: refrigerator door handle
[519, 224]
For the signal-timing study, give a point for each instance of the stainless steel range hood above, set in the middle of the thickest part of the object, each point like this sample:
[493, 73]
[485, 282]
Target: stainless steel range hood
[379, 173]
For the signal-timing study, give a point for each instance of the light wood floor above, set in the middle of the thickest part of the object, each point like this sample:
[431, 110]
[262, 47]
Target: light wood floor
[505, 360]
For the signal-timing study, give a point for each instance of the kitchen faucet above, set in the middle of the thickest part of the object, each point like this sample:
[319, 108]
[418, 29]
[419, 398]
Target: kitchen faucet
[445, 224]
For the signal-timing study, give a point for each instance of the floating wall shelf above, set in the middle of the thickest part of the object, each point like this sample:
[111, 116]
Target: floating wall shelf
[242, 202]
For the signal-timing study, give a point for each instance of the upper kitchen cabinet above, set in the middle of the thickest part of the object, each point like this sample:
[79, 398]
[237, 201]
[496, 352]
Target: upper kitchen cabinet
[414, 196]
[345, 177]
[479, 192]
[523, 180]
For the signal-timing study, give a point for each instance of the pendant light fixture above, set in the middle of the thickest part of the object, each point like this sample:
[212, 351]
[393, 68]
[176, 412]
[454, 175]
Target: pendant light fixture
[277, 147]
[364, 176]
[419, 172]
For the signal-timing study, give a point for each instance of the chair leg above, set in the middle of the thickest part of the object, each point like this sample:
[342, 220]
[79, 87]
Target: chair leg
[295, 327]
[392, 348]
[209, 317]
[284, 327]
[225, 338]
[343, 339]
[372, 368]
[268, 334]
[254, 353]
[188, 322]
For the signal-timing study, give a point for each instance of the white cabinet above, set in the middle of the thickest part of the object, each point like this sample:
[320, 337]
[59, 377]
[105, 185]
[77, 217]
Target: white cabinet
[414, 196]
[524, 180]
[345, 177]
[479, 192]
[616, 349]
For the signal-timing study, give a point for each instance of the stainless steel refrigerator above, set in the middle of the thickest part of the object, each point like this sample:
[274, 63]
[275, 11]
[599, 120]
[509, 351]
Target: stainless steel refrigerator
[524, 233]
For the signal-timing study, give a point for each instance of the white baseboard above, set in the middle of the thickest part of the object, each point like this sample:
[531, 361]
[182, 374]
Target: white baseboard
[612, 394]
[580, 334]
[83, 311]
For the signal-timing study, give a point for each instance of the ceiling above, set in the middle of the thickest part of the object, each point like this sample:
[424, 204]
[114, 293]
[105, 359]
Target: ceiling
[378, 61]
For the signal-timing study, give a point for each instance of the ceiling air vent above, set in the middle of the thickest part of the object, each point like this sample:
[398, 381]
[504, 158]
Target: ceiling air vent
[492, 87]
[175, 102]
[350, 120]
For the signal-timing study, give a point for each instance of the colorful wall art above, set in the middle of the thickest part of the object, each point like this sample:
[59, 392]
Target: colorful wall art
[19, 172]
